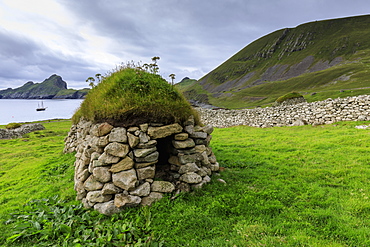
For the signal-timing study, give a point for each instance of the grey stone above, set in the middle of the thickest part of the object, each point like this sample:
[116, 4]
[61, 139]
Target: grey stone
[153, 197]
[200, 148]
[118, 135]
[181, 136]
[188, 143]
[117, 149]
[189, 129]
[144, 138]
[107, 208]
[142, 165]
[162, 186]
[191, 178]
[97, 196]
[126, 179]
[215, 167]
[132, 140]
[149, 144]
[199, 135]
[133, 129]
[102, 174]
[106, 159]
[212, 158]
[146, 172]
[190, 167]
[202, 172]
[144, 127]
[110, 189]
[139, 153]
[121, 200]
[208, 129]
[205, 160]
[164, 131]
[125, 164]
[142, 190]
[92, 184]
[174, 160]
[150, 158]
[104, 129]
[99, 141]
[82, 176]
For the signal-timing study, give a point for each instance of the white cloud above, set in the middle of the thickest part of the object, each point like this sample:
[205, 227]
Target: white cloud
[77, 39]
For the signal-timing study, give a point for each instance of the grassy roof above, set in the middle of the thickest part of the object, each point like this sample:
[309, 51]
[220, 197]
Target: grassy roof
[287, 96]
[131, 96]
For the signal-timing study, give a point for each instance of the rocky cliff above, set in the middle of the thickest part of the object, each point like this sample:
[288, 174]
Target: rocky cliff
[50, 88]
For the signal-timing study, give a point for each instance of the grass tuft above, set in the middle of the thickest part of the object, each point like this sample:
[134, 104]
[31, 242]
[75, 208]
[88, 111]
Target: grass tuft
[130, 96]
[287, 96]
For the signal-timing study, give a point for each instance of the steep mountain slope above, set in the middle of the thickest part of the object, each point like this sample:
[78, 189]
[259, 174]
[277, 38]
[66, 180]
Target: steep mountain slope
[53, 87]
[318, 59]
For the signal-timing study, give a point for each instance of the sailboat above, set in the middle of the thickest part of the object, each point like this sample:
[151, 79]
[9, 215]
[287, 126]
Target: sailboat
[41, 107]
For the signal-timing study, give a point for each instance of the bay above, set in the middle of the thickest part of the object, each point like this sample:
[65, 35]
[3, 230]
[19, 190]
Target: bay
[24, 110]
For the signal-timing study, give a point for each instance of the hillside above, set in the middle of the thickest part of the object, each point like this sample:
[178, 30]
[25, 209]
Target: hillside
[319, 59]
[52, 88]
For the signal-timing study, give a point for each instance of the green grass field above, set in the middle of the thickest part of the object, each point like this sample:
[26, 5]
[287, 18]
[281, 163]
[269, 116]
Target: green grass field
[287, 186]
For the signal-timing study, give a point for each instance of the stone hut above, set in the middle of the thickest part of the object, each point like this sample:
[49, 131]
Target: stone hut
[120, 166]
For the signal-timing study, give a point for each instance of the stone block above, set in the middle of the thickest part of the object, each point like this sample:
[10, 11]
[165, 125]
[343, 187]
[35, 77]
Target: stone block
[102, 174]
[132, 140]
[149, 144]
[121, 200]
[164, 131]
[153, 197]
[118, 135]
[107, 208]
[139, 153]
[126, 179]
[142, 190]
[188, 143]
[162, 186]
[97, 196]
[191, 178]
[125, 164]
[117, 149]
[150, 158]
[181, 136]
[92, 184]
[110, 189]
[106, 159]
[146, 172]
[190, 167]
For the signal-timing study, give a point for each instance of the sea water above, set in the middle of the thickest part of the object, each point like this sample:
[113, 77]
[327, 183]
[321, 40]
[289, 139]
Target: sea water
[24, 110]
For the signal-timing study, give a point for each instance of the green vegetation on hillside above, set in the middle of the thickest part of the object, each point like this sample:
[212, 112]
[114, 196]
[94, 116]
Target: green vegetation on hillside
[326, 58]
[54, 86]
[310, 190]
[131, 95]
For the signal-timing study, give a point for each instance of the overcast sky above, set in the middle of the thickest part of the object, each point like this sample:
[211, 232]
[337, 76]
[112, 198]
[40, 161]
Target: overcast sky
[80, 38]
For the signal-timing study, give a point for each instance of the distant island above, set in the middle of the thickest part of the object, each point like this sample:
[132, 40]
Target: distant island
[52, 88]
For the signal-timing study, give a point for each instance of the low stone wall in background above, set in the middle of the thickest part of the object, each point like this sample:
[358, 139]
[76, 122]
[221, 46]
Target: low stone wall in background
[315, 113]
[19, 132]
[120, 167]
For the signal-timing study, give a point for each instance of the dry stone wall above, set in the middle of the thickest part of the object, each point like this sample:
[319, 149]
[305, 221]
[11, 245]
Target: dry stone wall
[19, 132]
[315, 113]
[120, 167]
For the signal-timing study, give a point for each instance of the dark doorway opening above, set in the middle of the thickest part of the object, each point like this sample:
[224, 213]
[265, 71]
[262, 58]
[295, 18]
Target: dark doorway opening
[163, 168]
